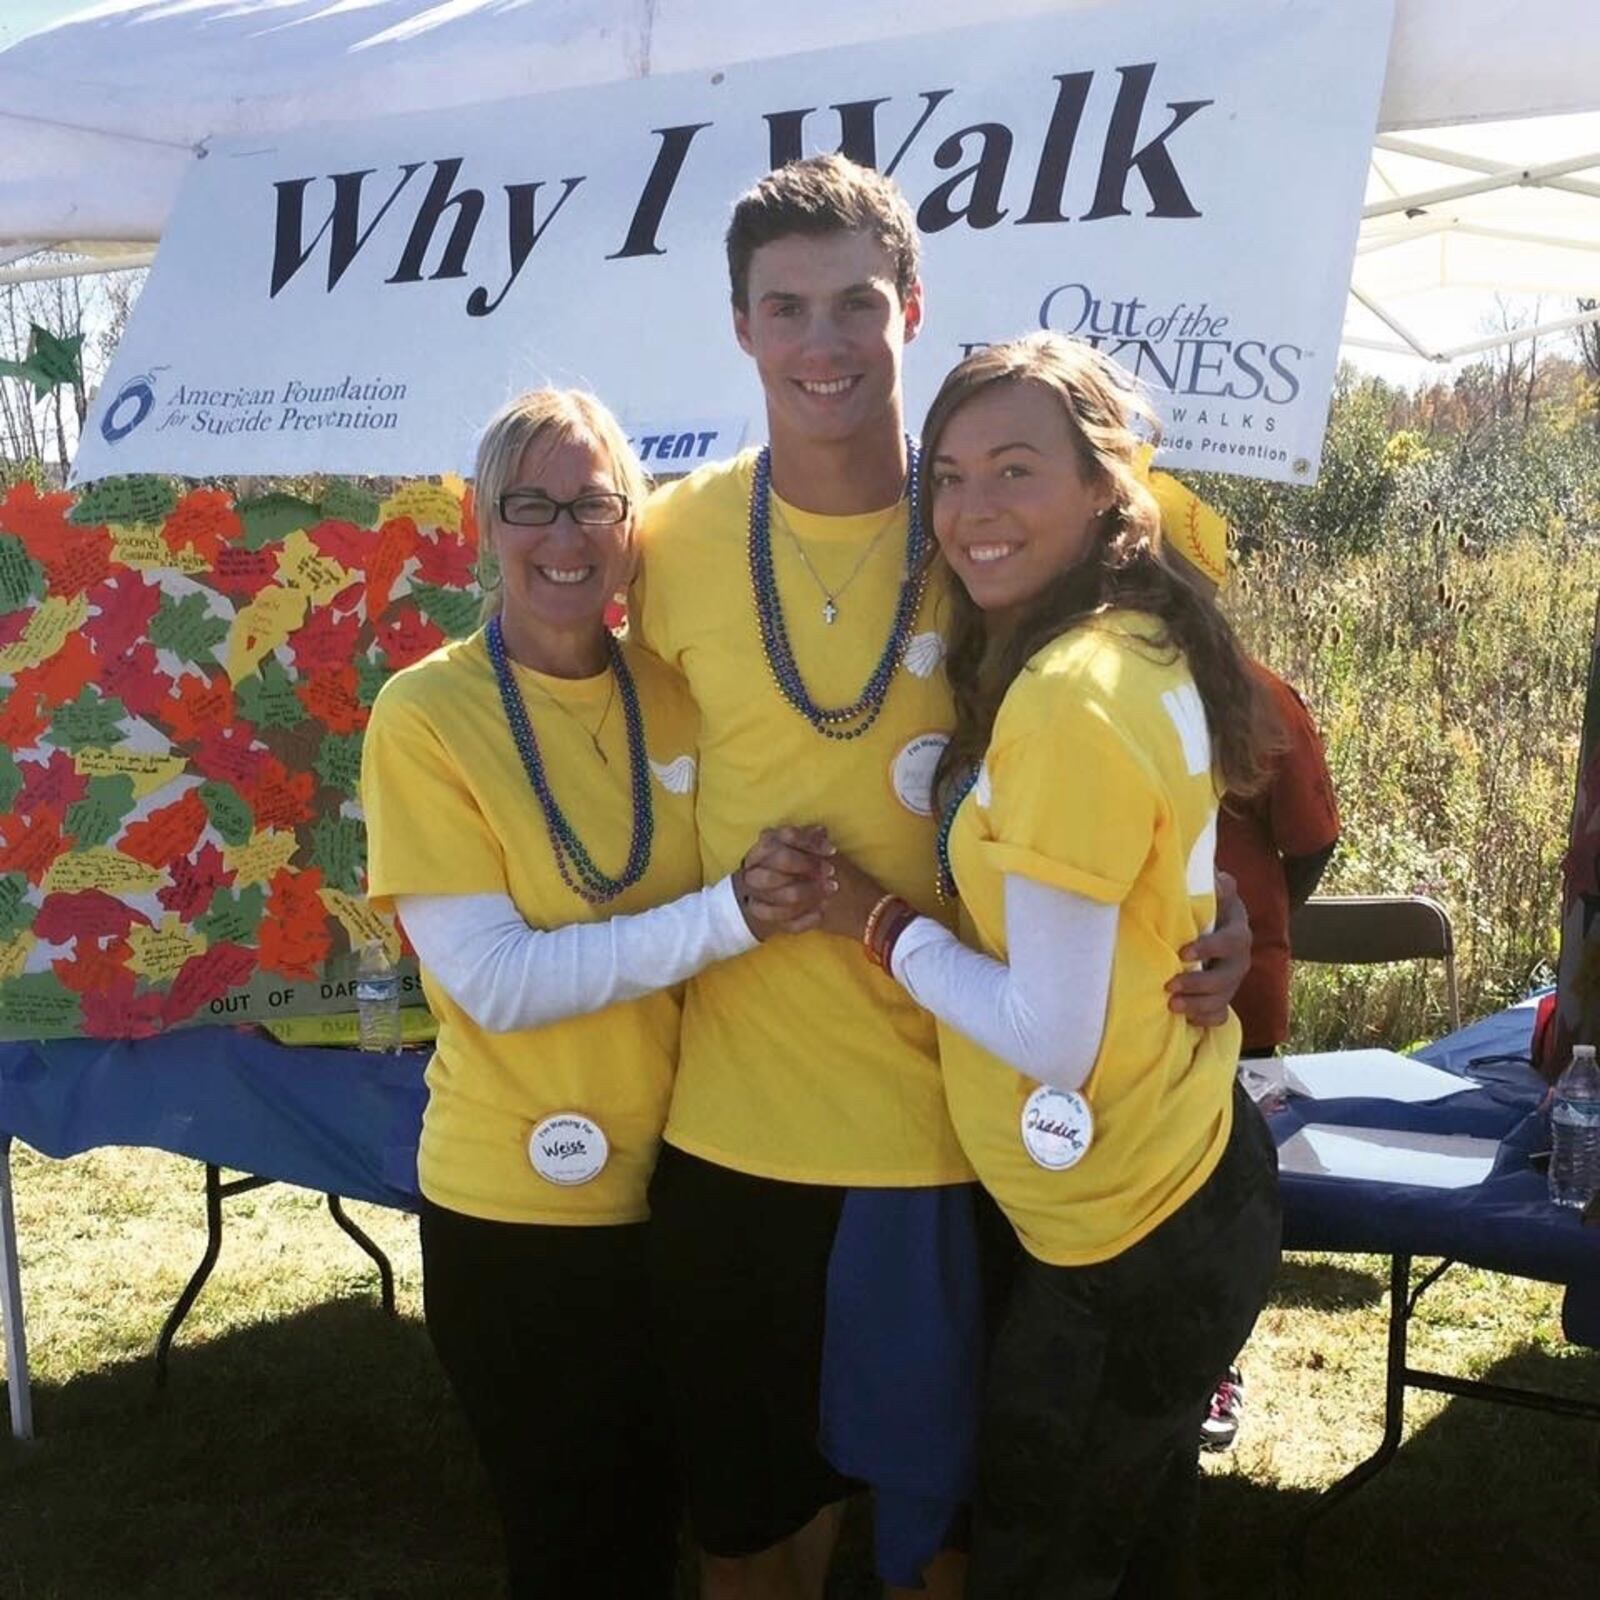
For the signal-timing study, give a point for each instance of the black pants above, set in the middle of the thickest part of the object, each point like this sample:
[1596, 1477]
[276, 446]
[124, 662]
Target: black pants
[1100, 1377]
[545, 1336]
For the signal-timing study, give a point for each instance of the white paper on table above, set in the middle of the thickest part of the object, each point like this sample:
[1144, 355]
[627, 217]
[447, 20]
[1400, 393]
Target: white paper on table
[1370, 1075]
[1388, 1155]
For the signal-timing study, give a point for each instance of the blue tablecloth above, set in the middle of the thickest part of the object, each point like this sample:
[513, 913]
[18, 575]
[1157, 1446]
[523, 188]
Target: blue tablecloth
[1505, 1224]
[334, 1120]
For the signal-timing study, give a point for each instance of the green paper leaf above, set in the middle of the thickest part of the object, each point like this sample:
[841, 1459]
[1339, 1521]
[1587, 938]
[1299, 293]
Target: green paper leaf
[15, 912]
[370, 678]
[125, 500]
[339, 761]
[37, 1002]
[455, 610]
[229, 811]
[348, 502]
[10, 779]
[339, 847]
[187, 628]
[271, 517]
[234, 918]
[50, 361]
[98, 817]
[21, 577]
[89, 721]
[268, 698]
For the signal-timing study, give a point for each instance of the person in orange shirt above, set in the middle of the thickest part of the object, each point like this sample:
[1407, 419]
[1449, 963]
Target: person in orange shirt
[1276, 844]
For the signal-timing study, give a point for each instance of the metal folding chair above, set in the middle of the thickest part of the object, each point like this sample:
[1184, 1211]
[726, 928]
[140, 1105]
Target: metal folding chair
[1366, 929]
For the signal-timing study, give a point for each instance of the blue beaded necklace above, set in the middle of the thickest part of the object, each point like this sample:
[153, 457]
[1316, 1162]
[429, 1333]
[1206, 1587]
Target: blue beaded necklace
[946, 882]
[578, 871]
[833, 722]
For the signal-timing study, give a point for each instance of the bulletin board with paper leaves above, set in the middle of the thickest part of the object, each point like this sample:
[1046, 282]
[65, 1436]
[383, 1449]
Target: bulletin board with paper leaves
[184, 681]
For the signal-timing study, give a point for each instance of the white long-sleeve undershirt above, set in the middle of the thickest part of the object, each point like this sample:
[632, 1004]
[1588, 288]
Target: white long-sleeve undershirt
[1043, 1010]
[506, 975]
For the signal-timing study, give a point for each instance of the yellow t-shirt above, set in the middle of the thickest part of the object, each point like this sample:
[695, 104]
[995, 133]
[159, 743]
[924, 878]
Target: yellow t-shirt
[450, 810]
[800, 1060]
[1098, 779]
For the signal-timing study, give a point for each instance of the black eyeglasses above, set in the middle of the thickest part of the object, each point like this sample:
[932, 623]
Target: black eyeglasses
[528, 508]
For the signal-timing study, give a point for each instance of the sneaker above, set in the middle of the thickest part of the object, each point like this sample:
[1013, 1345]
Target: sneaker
[1221, 1426]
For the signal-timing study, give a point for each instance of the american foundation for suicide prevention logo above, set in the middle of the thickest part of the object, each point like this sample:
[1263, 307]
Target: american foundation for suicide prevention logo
[134, 401]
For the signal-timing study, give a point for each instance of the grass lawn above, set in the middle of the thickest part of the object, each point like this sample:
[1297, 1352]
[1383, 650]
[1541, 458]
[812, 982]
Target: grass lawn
[306, 1447]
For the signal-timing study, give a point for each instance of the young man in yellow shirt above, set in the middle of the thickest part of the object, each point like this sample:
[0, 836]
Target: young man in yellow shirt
[791, 588]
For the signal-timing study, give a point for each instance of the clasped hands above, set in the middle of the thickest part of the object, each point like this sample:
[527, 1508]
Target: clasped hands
[794, 879]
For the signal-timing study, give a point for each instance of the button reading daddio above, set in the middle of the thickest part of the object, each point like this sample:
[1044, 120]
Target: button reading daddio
[1057, 1127]
[568, 1149]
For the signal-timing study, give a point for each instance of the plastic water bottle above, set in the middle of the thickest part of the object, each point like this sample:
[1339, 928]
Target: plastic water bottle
[1575, 1127]
[378, 1000]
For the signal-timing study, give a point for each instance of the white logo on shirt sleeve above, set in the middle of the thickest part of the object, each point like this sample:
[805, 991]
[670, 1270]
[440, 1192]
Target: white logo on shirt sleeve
[923, 654]
[1188, 715]
[1202, 876]
[676, 777]
[983, 790]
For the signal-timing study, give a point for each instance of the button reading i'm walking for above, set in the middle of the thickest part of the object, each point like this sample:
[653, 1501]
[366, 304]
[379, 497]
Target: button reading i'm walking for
[568, 1148]
[1057, 1128]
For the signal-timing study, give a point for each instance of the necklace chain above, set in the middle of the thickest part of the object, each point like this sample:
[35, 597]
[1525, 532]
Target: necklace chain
[946, 881]
[578, 871]
[853, 720]
[599, 727]
[831, 597]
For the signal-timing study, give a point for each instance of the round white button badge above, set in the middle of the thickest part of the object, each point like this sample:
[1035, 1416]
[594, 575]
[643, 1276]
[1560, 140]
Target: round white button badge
[1057, 1128]
[911, 772]
[568, 1149]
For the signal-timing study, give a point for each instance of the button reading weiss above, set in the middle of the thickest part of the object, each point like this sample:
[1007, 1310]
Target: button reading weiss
[568, 1149]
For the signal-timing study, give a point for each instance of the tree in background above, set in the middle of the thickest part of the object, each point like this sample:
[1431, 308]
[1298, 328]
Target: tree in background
[39, 433]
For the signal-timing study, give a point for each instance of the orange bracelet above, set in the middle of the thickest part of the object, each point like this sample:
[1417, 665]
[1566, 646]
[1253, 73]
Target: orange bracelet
[873, 918]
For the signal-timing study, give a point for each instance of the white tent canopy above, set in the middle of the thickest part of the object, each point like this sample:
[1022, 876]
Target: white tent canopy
[101, 115]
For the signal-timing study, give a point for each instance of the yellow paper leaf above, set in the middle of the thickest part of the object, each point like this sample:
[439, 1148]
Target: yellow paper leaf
[47, 630]
[14, 955]
[261, 627]
[302, 566]
[149, 770]
[101, 868]
[361, 921]
[144, 548]
[261, 855]
[429, 505]
[158, 953]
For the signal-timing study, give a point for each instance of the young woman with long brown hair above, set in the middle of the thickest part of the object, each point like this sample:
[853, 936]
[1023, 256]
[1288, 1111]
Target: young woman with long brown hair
[1102, 708]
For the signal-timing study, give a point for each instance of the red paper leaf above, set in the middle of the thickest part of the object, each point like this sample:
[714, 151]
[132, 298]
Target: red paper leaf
[23, 717]
[54, 784]
[126, 603]
[204, 519]
[244, 573]
[280, 798]
[39, 521]
[396, 540]
[167, 833]
[195, 879]
[121, 1014]
[86, 914]
[330, 697]
[446, 560]
[349, 545]
[407, 636]
[326, 640]
[136, 679]
[229, 755]
[79, 562]
[29, 844]
[94, 966]
[207, 977]
[200, 706]
[61, 677]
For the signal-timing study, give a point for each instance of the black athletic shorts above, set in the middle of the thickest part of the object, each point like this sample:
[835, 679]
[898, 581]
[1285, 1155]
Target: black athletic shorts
[740, 1274]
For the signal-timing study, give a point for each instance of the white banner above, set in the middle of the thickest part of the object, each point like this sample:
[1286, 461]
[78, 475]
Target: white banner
[1181, 187]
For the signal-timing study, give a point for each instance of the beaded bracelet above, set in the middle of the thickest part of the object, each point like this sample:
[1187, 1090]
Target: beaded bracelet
[889, 936]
